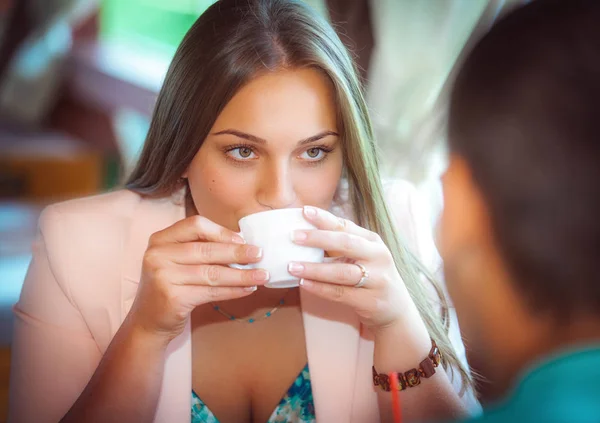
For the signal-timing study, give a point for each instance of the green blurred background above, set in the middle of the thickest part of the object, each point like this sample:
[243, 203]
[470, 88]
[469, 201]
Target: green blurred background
[162, 27]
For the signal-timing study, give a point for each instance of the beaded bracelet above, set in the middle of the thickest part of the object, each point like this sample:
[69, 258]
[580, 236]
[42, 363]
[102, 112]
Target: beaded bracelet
[412, 377]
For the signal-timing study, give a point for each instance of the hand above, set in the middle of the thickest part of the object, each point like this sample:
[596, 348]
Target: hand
[382, 299]
[184, 267]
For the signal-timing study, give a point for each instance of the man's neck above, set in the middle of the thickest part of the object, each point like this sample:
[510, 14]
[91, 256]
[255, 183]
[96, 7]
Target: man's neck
[533, 343]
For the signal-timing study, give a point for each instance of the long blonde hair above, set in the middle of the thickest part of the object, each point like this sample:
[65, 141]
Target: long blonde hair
[232, 42]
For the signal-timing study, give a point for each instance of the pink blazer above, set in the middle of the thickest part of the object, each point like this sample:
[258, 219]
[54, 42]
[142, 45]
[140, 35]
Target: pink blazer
[82, 282]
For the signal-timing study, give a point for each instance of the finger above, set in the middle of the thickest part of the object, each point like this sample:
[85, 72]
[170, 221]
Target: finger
[198, 295]
[353, 297]
[210, 253]
[213, 275]
[325, 220]
[195, 228]
[347, 274]
[349, 245]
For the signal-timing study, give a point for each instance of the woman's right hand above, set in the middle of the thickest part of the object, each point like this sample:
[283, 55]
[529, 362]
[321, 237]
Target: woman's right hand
[185, 265]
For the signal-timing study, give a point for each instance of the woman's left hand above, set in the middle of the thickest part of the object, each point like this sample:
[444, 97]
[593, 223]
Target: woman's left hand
[380, 300]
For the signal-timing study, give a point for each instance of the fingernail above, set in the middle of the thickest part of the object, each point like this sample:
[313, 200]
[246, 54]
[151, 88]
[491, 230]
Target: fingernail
[236, 239]
[305, 283]
[295, 268]
[254, 252]
[310, 211]
[299, 236]
[260, 275]
[250, 288]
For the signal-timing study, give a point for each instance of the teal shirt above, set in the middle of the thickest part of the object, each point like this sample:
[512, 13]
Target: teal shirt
[564, 388]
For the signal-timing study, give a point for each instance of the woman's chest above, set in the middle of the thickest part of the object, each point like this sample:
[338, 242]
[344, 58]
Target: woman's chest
[242, 371]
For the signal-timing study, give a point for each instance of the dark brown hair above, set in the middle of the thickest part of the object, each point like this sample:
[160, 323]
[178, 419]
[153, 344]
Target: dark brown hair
[525, 114]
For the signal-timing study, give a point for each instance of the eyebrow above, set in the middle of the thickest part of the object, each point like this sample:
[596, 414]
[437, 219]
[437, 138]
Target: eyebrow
[258, 140]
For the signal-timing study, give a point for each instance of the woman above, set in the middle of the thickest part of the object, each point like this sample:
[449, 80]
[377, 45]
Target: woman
[520, 234]
[121, 317]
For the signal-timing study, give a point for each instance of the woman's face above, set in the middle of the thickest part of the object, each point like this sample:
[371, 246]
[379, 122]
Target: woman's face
[275, 145]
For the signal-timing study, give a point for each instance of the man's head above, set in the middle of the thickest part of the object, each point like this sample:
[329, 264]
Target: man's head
[520, 233]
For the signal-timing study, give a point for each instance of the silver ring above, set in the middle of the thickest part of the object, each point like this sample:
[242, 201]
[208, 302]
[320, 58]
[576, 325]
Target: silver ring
[364, 278]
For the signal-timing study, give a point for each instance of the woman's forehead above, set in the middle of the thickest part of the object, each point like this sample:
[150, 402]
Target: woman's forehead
[299, 100]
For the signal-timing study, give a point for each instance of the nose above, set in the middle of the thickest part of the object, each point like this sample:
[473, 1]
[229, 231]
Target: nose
[276, 187]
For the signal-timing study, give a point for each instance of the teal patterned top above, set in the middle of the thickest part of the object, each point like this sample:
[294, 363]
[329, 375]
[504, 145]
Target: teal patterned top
[296, 406]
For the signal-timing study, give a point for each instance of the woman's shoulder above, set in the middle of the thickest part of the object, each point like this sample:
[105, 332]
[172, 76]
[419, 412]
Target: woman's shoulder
[397, 193]
[401, 199]
[112, 213]
[87, 241]
[408, 212]
[101, 223]
[401, 189]
[73, 227]
[71, 230]
[400, 196]
[404, 205]
[90, 212]
[412, 218]
[118, 203]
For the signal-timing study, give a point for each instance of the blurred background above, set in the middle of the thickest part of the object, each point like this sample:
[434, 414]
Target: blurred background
[78, 79]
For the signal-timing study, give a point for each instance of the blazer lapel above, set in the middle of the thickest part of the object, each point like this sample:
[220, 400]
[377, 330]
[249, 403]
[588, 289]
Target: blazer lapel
[174, 403]
[365, 407]
[339, 357]
[151, 215]
[332, 341]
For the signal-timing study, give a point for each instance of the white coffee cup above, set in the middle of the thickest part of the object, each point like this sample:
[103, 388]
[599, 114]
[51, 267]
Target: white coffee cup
[272, 231]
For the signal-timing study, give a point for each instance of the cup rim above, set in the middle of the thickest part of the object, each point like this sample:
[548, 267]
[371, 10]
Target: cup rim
[271, 211]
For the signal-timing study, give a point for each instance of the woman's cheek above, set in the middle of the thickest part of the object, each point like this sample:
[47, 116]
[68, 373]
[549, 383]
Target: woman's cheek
[317, 187]
[221, 194]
